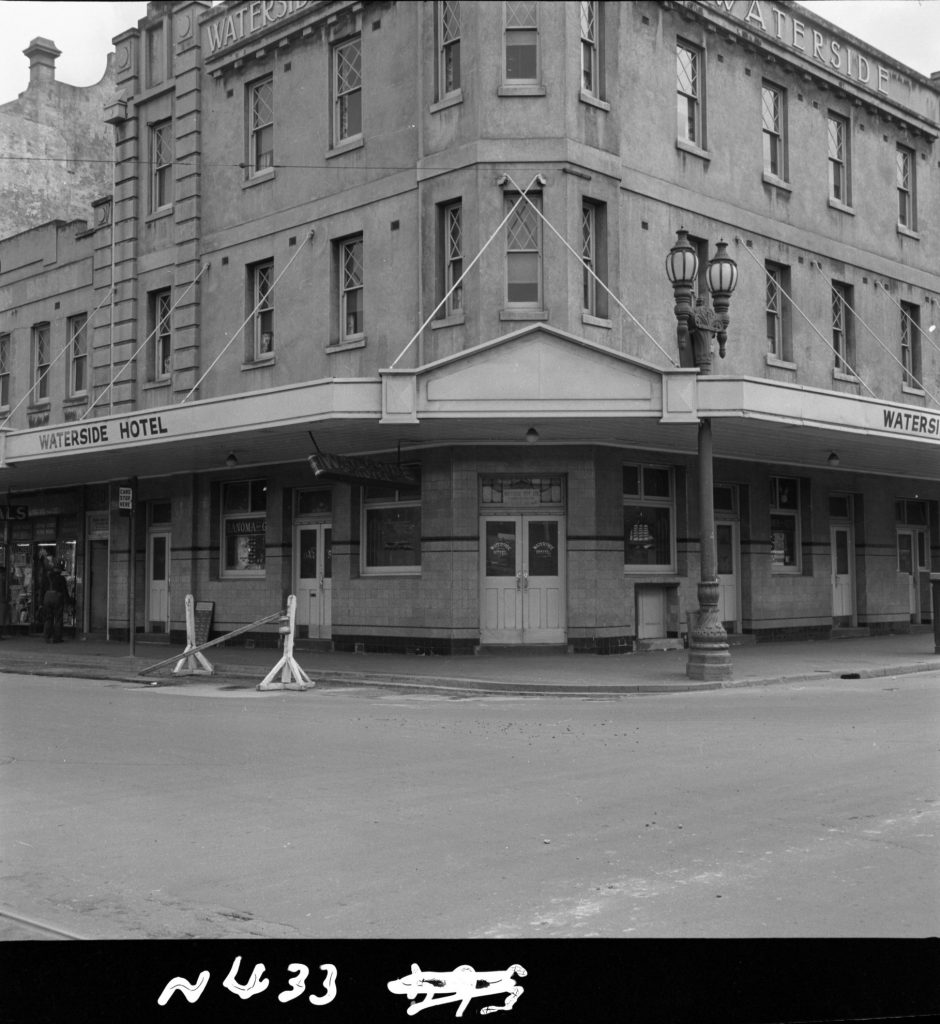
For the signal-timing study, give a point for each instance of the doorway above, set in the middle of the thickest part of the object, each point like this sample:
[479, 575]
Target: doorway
[97, 586]
[912, 560]
[313, 572]
[727, 549]
[523, 598]
[158, 582]
[842, 554]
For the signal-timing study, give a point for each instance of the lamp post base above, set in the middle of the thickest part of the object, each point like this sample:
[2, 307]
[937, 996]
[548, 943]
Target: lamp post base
[709, 664]
[709, 656]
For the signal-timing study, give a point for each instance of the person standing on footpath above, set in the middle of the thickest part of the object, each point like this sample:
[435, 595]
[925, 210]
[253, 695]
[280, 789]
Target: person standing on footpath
[53, 604]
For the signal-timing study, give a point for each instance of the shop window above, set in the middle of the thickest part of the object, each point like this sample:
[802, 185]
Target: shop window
[41, 362]
[784, 525]
[522, 41]
[689, 91]
[160, 513]
[351, 278]
[906, 194]
[594, 258]
[5, 362]
[161, 166]
[590, 12]
[313, 503]
[159, 314]
[261, 126]
[244, 528]
[448, 49]
[773, 124]
[347, 90]
[648, 519]
[777, 311]
[840, 506]
[261, 309]
[451, 247]
[843, 327]
[910, 513]
[77, 327]
[391, 530]
[524, 251]
[910, 345]
[839, 168]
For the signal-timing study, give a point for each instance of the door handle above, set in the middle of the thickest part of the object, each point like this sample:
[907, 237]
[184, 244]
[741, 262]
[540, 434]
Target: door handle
[525, 580]
[518, 581]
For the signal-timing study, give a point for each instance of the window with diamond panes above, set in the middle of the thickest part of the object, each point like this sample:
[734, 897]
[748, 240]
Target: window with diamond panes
[78, 354]
[41, 362]
[448, 29]
[453, 258]
[4, 370]
[522, 41]
[589, 257]
[837, 128]
[777, 311]
[261, 133]
[161, 166]
[905, 159]
[843, 335]
[159, 315]
[524, 252]
[347, 84]
[688, 95]
[910, 345]
[261, 297]
[773, 108]
[352, 322]
[589, 64]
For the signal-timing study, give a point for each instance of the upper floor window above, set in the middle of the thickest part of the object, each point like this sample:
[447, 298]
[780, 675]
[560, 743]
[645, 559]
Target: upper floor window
[773, 122]
[41, 362]
[689, 94]
[906, 208]
[524, 252]
[160, 327]
[244, 528]
[784, 524]
[448, 35]
[843, 327]
[156, 55]
[452, 248]
[351, 291]
[391, 529]
[347, 90]
[78, 354]
[593, 257]
[261, 125]
[261, 297]
[910, 345]
[522, 41]
[4, 370]
[777, 311]
[648, 518]
[161, 166]
[839, 180]
[590, 82]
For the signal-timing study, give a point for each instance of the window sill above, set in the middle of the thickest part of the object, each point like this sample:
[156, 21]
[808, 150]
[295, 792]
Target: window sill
[260, 178]
[775, 182]
[785, 570]
[235, 575]
[781, 364]
[596, 321]
[834, 204]
[659, 571]
[346, 146]
[908, 233]
[523, 314]
[153, 385]
[259, 364]
[693, 150]
[456, 320]
[398, 570]
[529, 89]
[452, 100]
[593, 101]
[161, 214]
[74, 401]
[43, 405]
[910, 389]
[849, 378]
[346, 346]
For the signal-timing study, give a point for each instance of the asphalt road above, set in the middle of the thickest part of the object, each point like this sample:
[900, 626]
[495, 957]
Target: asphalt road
[793, 810]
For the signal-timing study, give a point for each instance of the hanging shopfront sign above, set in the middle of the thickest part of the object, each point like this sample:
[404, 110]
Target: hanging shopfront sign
[364, 471]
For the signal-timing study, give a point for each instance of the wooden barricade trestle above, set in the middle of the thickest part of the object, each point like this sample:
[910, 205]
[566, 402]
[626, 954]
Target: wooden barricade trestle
[293, 676]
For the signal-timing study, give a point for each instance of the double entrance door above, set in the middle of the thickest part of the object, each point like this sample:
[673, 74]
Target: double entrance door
[523, 579]
[912, 561]
[313, 553]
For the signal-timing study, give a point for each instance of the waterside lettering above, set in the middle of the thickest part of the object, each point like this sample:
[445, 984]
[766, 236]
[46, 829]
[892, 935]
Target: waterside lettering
[911, 422]
[249, 18]
[95, 434]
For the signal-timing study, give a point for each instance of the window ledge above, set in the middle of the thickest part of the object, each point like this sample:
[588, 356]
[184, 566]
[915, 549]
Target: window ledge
[661, 574]
[782, 364]
[849, 378]
[161, 214]
[596, 321]
[786, 570]
[834, 204]
[530, 89]
[907, 233]
[152, 385]
[235, 575]
[910, 389]
[452, 100]
[523, 314]
[346, 346]
[593, 101]
[346, 146]
[42, 405]
[260, 178]
[75, 400]
[259, 364]
[403, 570]
[448, 321]
[772, 179]
[693, 150]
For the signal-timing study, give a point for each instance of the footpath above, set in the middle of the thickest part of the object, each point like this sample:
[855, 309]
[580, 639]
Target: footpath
[238, 668]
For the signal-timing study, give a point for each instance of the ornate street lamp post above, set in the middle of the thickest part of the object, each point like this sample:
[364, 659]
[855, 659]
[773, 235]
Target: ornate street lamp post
[709, 657]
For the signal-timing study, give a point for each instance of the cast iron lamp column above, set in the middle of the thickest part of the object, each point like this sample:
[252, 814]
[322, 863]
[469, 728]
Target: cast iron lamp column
[709, 657]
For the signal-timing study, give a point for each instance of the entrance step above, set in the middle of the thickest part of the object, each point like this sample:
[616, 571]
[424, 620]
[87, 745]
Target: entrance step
[665, 643]
[522, 650]
[741, 639]
[849, 632]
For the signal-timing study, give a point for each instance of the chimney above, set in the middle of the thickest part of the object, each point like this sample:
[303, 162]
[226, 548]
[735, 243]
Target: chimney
[42, 55]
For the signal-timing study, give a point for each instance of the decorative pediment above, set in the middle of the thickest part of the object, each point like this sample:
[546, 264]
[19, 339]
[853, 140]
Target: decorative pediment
[538, 370]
